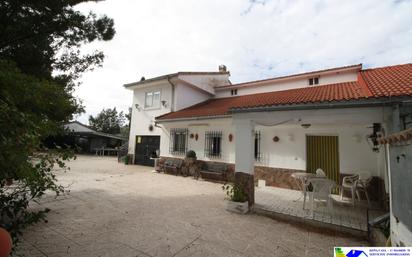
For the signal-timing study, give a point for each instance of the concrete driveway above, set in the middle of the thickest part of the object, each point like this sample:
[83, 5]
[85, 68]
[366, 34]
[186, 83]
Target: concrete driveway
[118, 210]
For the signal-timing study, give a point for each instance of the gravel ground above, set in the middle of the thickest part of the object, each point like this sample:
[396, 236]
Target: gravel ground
[118, 210]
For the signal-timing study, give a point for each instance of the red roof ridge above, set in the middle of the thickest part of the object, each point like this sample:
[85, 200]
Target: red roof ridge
[386, 67]
[363, 85]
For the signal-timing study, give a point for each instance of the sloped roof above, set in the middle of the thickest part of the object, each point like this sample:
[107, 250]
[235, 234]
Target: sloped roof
[172, 75]
[389, 81]
[399, 137]
[372, 83]
[82, 129]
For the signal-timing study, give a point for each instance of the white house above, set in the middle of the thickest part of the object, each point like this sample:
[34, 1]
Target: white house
[165, 94]
[274, 127]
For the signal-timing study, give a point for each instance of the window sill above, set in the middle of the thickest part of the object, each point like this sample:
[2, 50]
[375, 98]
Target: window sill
[177, 153]
[214, 157]
[152, 108]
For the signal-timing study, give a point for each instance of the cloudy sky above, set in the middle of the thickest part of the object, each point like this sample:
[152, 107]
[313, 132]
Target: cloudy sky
[254, 39]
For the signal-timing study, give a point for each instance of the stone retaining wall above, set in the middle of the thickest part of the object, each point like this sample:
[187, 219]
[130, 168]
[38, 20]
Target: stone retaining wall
[277, 177]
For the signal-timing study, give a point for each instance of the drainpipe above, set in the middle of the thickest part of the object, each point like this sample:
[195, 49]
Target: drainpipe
[396, 122]
[172, 104]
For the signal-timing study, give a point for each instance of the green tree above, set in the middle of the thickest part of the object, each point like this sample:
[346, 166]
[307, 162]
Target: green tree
[40, 59]
[125, 130]
[107, 121]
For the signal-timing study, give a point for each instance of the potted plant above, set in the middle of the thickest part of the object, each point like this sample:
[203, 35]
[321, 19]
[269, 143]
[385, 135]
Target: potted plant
[191, 157]
[237, 198]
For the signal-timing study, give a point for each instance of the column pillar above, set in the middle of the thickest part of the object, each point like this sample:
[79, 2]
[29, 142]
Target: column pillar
[244, 157]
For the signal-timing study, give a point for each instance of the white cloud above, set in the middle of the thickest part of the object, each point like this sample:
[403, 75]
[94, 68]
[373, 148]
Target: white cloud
[255, 40]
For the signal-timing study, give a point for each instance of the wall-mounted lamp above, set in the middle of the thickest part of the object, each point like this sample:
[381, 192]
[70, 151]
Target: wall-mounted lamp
[373, 138]
[137, 107]
[305, 126]
[164, 103]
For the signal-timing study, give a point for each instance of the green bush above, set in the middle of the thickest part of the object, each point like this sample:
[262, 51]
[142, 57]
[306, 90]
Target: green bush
[190, 154]
[235, 192]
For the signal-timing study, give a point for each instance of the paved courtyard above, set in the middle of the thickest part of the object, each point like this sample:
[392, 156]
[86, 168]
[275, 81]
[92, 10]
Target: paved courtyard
[118, 210]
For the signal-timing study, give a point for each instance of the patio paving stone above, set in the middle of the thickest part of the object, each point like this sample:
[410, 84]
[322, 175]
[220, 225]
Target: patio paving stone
[114, 209]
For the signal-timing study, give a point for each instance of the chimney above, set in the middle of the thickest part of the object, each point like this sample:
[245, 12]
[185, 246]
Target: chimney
[222, 68]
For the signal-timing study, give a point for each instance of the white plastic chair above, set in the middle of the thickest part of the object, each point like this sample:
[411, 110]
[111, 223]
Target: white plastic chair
[322, 189]
[320, 172]
[362, 185]
[349, 184]
[305, 184]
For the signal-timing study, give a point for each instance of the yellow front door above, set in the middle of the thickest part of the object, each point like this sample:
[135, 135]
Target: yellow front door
[323, 152]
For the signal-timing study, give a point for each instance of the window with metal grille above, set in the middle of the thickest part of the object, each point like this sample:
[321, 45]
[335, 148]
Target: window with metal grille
[178, 141]
[213, 144]
[257, 146]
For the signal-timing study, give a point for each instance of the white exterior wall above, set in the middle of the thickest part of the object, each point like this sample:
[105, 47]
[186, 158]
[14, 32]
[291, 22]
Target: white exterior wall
[207, 82]
[141, 119]
[290, 84]
[289, 152]
[200, 127]
[186, 96]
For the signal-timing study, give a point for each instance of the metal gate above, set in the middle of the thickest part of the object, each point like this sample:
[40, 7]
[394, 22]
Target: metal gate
[323, 152]
[146, 147]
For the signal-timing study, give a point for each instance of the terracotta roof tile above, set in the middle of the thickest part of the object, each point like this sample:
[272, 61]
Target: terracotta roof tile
[221, 106]
[379, 82]
[389, 81]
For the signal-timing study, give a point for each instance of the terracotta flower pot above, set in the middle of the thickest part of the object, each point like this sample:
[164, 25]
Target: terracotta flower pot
[5, 243]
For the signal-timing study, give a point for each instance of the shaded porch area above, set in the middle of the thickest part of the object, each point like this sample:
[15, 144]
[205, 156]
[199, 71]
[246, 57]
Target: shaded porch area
[288, 204]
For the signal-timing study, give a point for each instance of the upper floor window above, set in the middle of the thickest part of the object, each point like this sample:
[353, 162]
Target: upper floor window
[314, 81]
[178, 141]
[233, 92]
[213, 144]
[152, 99]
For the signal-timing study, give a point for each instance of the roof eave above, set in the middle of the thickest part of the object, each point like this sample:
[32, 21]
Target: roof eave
[169, 76]
[193, 118]
[148, 81]
[364, 102]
